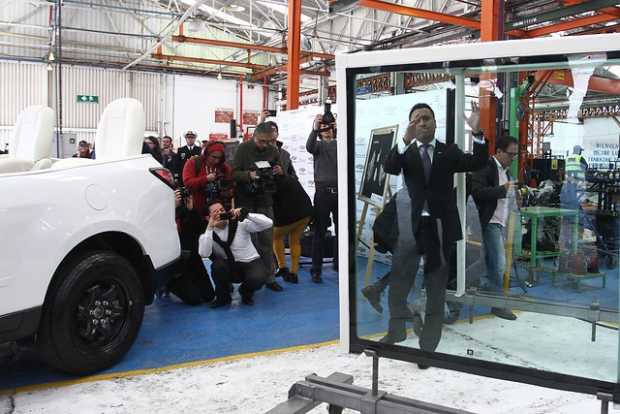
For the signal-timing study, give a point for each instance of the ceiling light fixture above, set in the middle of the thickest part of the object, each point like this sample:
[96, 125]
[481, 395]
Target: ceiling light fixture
[234, 8]
[219, 75]
[51, 57]
[49, 67]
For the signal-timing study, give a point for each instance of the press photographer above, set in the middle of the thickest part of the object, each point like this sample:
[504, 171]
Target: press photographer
[255, 165]
[191, 284]
[208, 177]
[227, 242]
[323, 146]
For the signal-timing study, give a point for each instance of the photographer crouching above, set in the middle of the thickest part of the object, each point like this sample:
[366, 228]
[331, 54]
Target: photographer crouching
[255, 165]
[227, 242]
[192, 284]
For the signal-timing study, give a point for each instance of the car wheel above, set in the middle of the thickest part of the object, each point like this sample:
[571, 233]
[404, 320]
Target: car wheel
[92, 314]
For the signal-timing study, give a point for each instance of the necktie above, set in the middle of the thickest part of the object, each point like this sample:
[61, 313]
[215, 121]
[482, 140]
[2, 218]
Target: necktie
[426, 161]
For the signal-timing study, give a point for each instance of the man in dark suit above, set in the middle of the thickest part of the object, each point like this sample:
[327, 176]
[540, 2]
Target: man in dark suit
[490, 188]
[428, 167]
[170, 159]
[188, 151]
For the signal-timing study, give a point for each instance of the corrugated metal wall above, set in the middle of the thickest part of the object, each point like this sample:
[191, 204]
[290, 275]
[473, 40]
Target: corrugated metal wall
[21, 85]
[108, 85]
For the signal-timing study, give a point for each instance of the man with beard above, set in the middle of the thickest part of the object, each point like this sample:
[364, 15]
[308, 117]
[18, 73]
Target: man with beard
[255, 164]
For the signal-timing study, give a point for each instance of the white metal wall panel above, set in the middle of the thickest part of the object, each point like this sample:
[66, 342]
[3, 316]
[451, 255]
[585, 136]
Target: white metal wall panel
[108, 85]
[146, 88]
[21, 85]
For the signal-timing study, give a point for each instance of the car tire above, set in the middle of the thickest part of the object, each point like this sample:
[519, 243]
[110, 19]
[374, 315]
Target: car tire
[92, 314]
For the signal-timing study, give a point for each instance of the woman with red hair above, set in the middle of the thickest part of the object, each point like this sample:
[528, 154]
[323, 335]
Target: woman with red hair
[209, 177]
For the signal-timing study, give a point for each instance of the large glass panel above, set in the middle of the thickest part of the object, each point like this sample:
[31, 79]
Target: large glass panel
[539, 254]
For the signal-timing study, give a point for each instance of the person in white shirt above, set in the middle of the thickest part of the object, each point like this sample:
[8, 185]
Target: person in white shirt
[227, 242]
[491, 187]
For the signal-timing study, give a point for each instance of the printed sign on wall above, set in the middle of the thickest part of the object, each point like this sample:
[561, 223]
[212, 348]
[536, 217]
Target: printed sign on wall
[223, 115]
[250, 117]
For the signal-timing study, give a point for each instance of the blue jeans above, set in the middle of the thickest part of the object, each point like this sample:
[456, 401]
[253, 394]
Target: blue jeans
[494, 257]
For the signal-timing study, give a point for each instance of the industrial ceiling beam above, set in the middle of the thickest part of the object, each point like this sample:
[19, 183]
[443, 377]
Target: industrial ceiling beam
[248, 46]
[294, 54]
[420, 13]
[179, 58]
[572, 24]
[596, 83]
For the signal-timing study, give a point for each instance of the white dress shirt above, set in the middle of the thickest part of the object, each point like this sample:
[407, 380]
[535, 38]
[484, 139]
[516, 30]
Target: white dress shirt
[501, 211]
[242, 248]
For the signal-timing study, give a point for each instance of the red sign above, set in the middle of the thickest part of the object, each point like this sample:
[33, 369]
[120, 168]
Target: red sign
[250, 117]
[218, 137]
[223, 116]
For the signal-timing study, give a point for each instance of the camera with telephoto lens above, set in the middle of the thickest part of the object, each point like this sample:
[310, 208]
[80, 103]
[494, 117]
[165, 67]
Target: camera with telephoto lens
[265, 179]
[328, 120]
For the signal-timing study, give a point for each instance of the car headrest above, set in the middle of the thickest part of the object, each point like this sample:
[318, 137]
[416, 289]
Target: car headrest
[32, 135]
[121, 130]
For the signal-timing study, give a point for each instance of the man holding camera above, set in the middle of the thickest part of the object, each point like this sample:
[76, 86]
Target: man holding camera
[227, 242]
[324, 151]
[255, 164]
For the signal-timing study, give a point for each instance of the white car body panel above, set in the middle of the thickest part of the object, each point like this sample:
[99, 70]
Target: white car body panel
[44, 214]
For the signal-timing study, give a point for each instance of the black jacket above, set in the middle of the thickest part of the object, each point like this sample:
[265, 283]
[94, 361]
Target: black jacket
[486, 191]
[290, 202]
[172, 162]
[439, 192]
[185, 154]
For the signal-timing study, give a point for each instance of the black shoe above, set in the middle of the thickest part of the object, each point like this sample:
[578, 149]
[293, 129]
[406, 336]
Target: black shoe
[290, 278]
[316, 278]
[397, 332]
[247, 300]
[219, 303]
[417, 324]
[282, 272]
[274, 286]
[423, 366]
[373, 296]
[393, 338]
[504, 313]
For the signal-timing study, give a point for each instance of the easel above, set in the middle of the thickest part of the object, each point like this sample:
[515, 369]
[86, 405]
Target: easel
[367, 198]
[377, 208]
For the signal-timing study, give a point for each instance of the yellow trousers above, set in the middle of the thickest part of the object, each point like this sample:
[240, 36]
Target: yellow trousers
[294, 231]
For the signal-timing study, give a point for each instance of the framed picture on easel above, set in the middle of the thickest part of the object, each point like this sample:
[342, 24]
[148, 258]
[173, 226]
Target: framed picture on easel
[375, 182]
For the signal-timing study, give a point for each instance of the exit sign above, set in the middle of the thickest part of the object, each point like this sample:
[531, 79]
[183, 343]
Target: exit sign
[88, 98]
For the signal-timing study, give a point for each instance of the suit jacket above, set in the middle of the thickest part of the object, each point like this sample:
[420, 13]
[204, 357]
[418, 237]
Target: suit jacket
[439, 193]
[173, 163]
[486, 191]
[185, 154]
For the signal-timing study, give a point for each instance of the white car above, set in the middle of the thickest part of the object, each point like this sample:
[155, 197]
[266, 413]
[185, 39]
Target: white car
[84, 243]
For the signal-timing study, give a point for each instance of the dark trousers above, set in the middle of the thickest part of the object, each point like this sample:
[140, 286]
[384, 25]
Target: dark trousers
[251, 275]
[437, 271]
[263, 242]
[193, 286]
[325, 203]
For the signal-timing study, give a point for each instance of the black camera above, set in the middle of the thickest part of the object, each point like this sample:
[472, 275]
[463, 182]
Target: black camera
[328, 117]
[227, 215]
[265, 179]
[184, 193]
[215, 187]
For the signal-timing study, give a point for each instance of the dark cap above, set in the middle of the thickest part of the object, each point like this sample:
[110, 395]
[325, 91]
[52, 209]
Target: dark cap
[83, 144]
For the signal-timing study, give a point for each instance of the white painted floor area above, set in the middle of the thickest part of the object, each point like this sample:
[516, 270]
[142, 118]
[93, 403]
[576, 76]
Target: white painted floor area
[257, 384]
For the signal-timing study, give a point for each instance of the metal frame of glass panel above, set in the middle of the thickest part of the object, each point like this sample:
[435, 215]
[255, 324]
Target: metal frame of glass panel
[458, 60]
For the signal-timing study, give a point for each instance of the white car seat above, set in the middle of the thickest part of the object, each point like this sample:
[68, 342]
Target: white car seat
[119, 135]
[31, 140]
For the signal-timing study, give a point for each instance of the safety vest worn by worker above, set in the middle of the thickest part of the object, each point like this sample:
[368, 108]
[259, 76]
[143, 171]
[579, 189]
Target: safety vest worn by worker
[574, 167]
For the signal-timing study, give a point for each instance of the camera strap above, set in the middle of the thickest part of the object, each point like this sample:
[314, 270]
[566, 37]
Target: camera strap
[225, 245]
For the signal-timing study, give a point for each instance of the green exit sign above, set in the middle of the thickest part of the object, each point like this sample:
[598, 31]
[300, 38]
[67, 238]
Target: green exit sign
[88, 98]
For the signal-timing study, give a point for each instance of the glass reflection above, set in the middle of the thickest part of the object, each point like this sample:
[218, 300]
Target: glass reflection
[541, 220]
